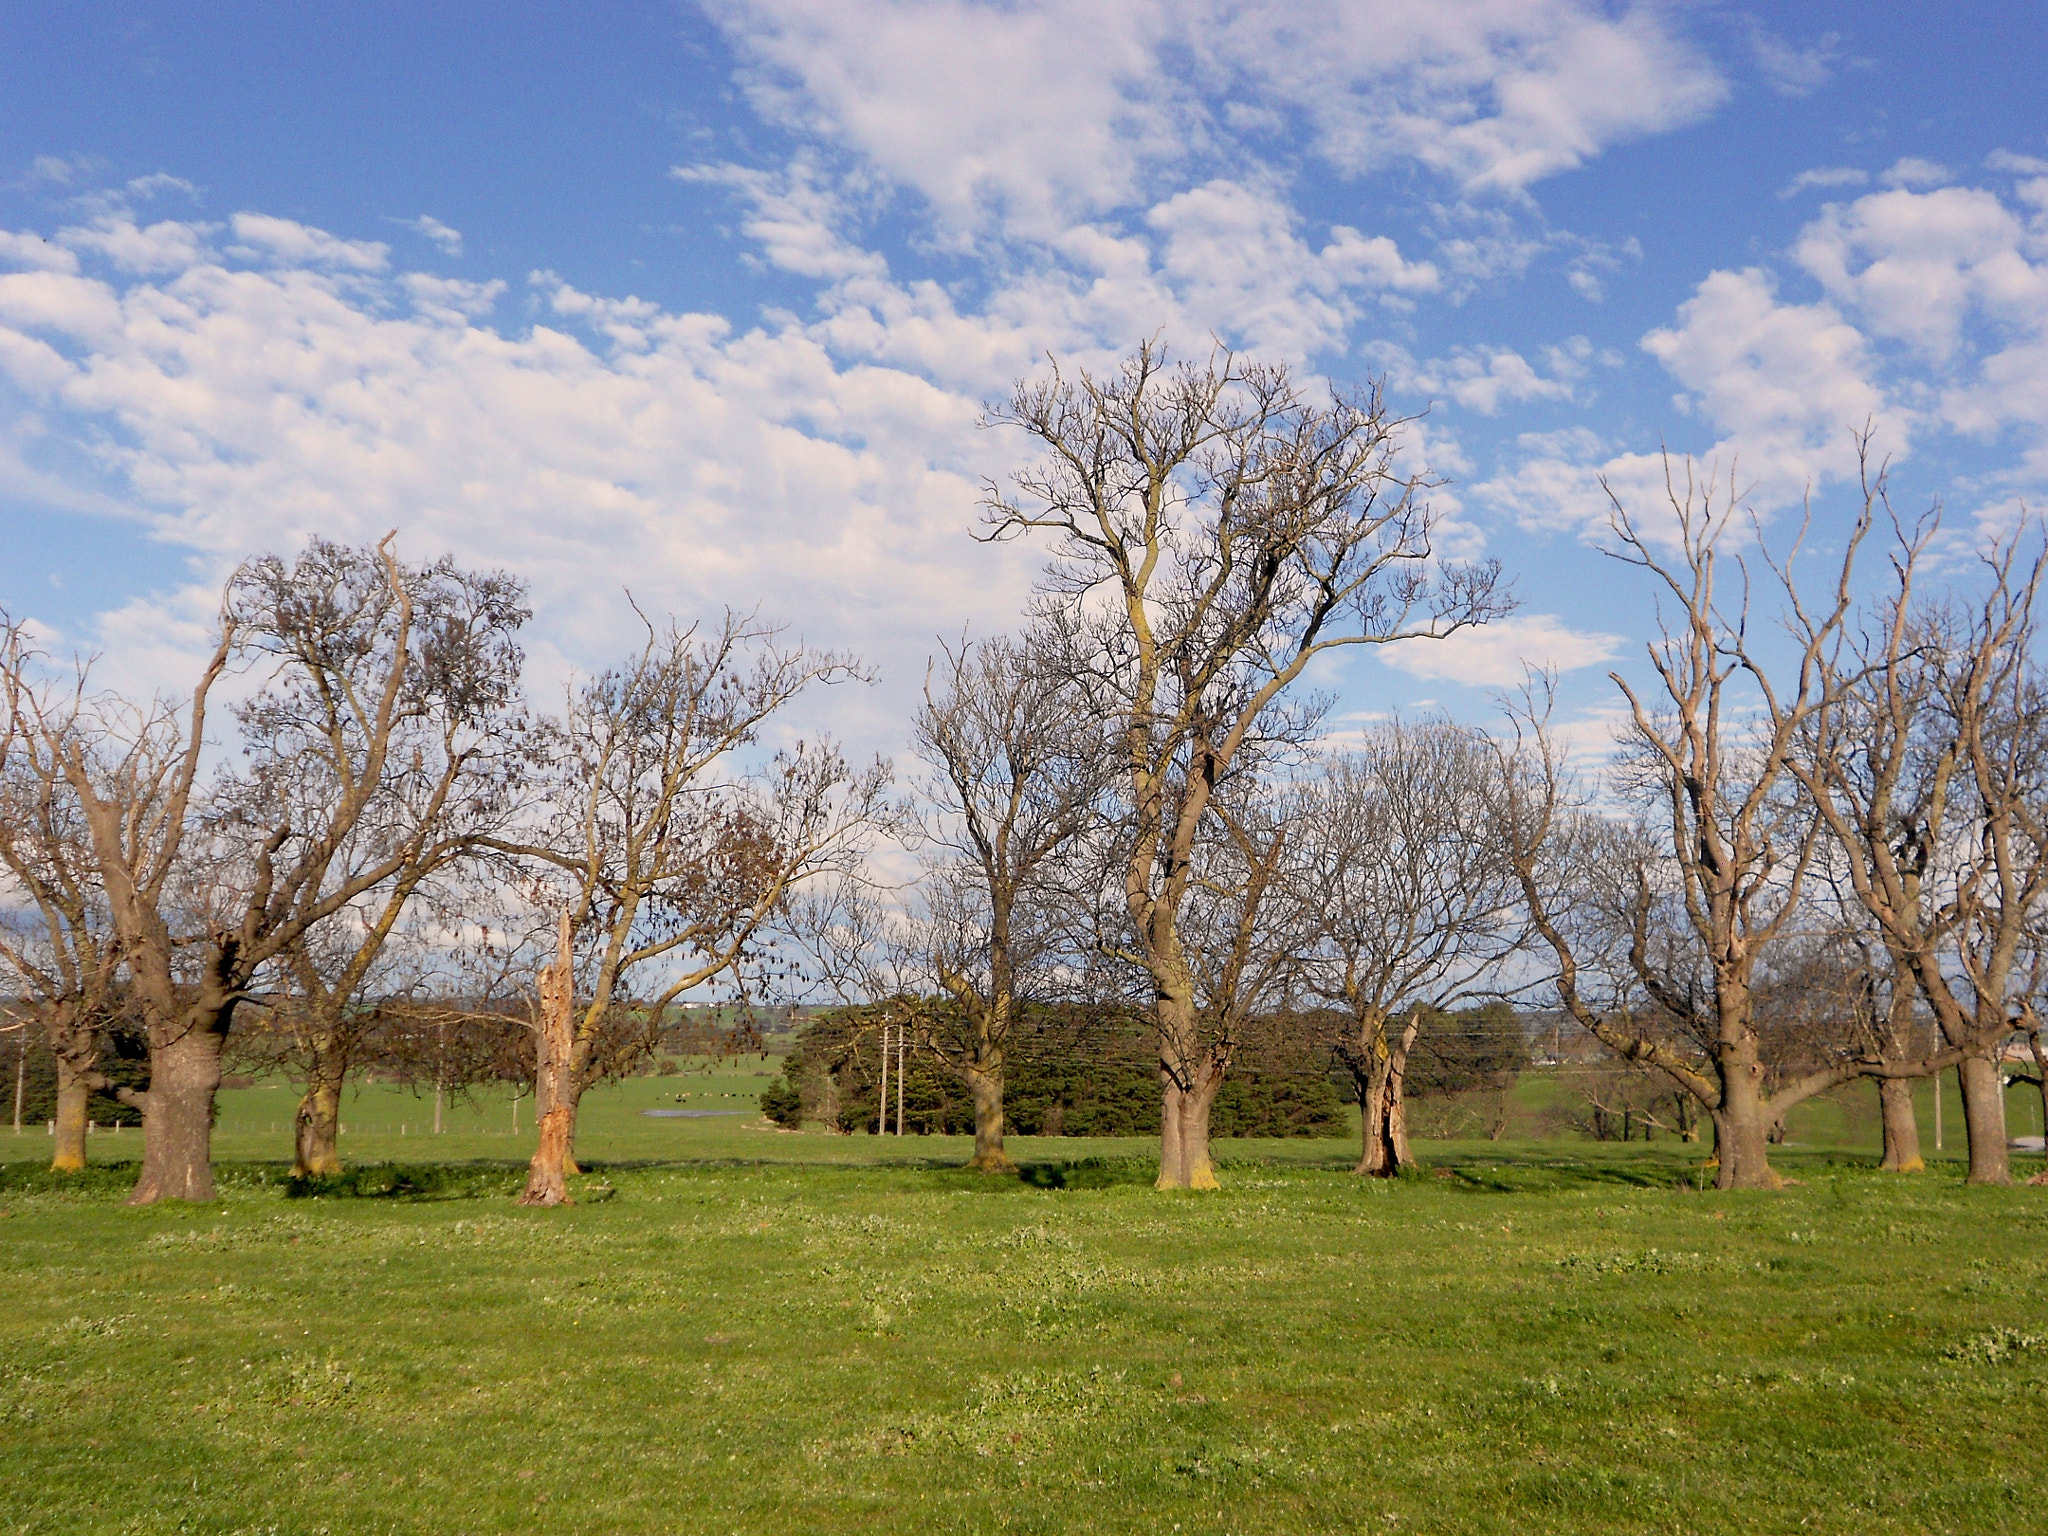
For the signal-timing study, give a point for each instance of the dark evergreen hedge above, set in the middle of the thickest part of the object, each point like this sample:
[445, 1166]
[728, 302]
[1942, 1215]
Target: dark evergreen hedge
[1070, 1072]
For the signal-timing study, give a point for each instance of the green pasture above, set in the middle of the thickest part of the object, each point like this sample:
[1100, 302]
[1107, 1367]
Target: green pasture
[744, 1330]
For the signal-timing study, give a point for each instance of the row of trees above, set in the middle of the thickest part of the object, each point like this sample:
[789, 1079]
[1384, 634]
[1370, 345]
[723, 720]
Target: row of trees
[1820, 856]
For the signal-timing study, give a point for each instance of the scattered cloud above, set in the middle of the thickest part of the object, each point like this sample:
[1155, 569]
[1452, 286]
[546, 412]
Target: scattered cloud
[1915, 172]
[1791, 70]
[1480, 378]
[431, 228]
[1913, 264]
[32, 250]
[244, 403]
[166, 246]
[1825, 176]
[61, 170]
[301, 245]
[1503, 653]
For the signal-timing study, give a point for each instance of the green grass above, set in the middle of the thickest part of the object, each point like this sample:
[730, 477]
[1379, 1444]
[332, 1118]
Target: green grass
[748, 1331]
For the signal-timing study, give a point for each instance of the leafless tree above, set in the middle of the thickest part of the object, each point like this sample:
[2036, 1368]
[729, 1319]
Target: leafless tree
[1929, 769]
[663, 859]
[1016, 777]
[1701, 891]
[448, 773]
[202, 900]
[1414, 903]
[62, 949]
[1216, 529]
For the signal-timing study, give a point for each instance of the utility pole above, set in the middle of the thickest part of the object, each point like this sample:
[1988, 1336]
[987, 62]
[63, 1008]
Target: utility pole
[882, 1098]
[901, 1052]
[1937, 1111]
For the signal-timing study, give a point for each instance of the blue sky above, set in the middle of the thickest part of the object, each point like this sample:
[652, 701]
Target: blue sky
[702, 300]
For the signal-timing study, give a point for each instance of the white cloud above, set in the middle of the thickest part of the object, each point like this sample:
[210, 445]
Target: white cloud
[167, 246]
[302, 245]
[1785, 385]
[1030, 117]
[1791, 70]
[448, 239]
[1914, 263]
[1231, 253]
[1787, 382]
[451, 300]
[618, 444]
[1825, 176]
[1037, 114]
[1961, 279]
[1495, 94]
[1501, 654]
[1915, 172]
[32, 250]
[797, 218]
[1479, 378]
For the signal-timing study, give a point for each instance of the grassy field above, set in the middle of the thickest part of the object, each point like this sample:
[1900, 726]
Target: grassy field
[749, 1331]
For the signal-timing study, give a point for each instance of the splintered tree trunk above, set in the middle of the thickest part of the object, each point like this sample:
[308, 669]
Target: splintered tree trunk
[316, 1130]
[985, 1082]
[177, 1124]
[555, 1093]
[74, 1094]
[1383, 1103]
[1901, 1126]
[1983, 1088]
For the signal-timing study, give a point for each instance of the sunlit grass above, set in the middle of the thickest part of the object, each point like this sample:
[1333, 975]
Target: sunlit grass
[758, 1332]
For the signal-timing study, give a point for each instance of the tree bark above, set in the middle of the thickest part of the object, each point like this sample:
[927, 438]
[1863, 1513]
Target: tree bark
[177, 1120]
[316, 1129]
[1172, 1161]
[1193, 1106]
[74, 1093]
[1983, 1087]
[1742, 1121]
[985, 1082]
[1901, 1126]
[554, 1082]
[1190, 1076]
[1383, 1103]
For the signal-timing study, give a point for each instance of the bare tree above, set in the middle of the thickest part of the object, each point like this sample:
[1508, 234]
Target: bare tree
[662, 858]
[449, 769]
[1929, 769]
[1704, 898]
[1016, 775]
[202, 903]
[1216, 530]
[1416, 907]
[66, 955]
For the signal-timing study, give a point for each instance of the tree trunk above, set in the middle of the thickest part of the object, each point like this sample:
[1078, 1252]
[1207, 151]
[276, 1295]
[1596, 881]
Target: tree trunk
[1173, 1168]
[1180, 1053]
[1383, 1103]
[1197, 1169]
[555, 1090]
[986, 1084]
[316, 1130]
[177, 1122]
[1184, 1161]
[1983, 1087]
[74, 1094]
[1901, 1126]
[1742, 1122]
